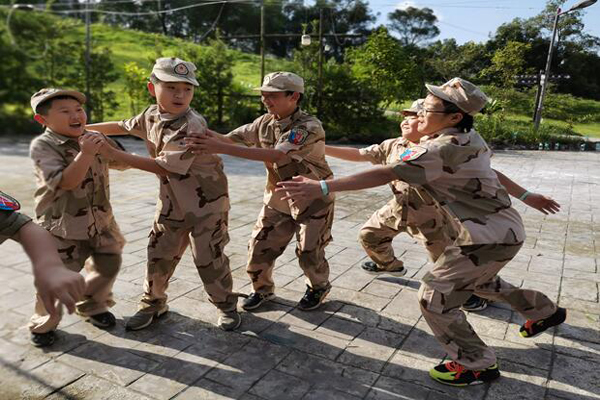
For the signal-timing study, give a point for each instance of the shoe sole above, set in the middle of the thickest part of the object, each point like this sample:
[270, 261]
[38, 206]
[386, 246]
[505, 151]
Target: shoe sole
[481, 308]
[318, 304]
[266, 298]
[154, 317]
[474, 383]
[392, 273]
[99, 325]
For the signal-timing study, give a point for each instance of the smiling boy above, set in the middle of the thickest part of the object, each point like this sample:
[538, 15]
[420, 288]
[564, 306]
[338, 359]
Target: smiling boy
[193, 203]
[290, 142]
[72, 203]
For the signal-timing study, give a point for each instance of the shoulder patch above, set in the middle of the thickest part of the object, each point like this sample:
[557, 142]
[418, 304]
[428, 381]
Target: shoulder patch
[413, 153]
[8, 203]
[297, 136]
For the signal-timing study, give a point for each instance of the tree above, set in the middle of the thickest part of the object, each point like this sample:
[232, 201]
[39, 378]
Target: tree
[414, 25]
[384, 65]
[507, 62]
[447, 59]
[215, 76]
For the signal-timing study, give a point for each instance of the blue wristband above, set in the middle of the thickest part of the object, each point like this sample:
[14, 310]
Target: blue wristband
[524, 195]
[324, 188]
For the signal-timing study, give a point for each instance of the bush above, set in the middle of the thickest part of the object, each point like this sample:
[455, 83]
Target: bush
[501, 132]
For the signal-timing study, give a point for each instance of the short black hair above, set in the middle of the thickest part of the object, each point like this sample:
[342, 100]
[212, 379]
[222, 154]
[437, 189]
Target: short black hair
[291, 92]
[45, 106]
[466, 123]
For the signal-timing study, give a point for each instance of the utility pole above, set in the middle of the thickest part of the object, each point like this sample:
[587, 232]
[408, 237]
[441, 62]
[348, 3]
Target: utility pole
[88, 39]
[320, 77]
[546, 76]
[262, 48]
[262, 41]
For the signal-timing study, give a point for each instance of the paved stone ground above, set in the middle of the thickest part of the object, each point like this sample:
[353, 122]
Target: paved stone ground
[369, 341]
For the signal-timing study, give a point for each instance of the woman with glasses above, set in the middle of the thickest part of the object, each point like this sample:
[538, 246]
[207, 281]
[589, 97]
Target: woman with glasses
[452, 163]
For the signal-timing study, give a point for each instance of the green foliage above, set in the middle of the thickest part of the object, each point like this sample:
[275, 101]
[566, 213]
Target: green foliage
[385, 66]
[507, 62]
[350, 109]
[446, 59]
[215, 95]
[414, 25]
[135, 86]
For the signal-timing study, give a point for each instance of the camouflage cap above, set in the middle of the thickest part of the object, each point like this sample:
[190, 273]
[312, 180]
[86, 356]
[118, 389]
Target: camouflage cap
[282, 82]
[462, 93]
[171, 69]
[415, 107]
[47, 93]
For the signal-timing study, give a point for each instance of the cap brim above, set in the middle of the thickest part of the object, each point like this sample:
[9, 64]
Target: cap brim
[169, 78]
[268, 89]
[438, 92]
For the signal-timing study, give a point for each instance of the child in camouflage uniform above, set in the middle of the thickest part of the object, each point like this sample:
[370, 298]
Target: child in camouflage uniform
[72, 203]
[412, 209]
[193, 204]
[452, 162]
[290, 143]
[51, 279]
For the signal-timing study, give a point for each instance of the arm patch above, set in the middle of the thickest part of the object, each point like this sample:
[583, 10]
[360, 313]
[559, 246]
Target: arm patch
[298, 136]
[412, 153]
[8, 203]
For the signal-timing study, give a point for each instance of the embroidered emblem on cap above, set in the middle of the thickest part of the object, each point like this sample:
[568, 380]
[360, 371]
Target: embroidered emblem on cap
[181, 69]
[413, 153]
[297, 136]
[8, 203]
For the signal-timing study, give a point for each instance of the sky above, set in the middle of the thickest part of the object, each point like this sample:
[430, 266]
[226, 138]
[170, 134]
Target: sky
[475, 20]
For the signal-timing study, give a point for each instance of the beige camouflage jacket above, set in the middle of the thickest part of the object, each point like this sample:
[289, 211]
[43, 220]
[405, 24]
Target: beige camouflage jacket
[302, 138]
[77, 214]
[455, 169]
[196, 185]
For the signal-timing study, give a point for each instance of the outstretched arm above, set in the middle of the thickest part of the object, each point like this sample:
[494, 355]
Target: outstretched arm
[108, 128]
[223, 145]
[144, 163]
[345, 153]
[534, 200]
[304, 188]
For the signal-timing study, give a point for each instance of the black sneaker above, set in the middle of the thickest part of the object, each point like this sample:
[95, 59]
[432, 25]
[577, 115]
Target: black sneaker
[533, 328]
[313, 298]
[103, 320]
[475, 303]
[42, 339]
[256, 299]
[372, 268]
[454, 374]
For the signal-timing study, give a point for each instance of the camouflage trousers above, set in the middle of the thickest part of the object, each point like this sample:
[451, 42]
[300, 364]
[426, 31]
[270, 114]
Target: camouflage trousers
[207, 240]
[104, 252]
[272, 233]
[425, 224]
[457, 274]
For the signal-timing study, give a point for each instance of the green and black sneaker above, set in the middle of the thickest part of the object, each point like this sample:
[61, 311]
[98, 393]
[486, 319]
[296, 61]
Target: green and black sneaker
[454, 374]
[533, 328]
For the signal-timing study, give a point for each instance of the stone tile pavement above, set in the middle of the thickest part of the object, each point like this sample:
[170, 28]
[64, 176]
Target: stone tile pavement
[369, 340]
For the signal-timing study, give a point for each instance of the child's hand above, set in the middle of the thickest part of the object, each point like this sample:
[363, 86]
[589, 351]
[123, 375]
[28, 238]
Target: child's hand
[542, 203]
[203, 144]
[90, 143]
[59, 283]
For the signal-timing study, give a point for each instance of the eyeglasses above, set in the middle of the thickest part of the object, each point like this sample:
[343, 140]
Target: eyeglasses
[425, 111]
